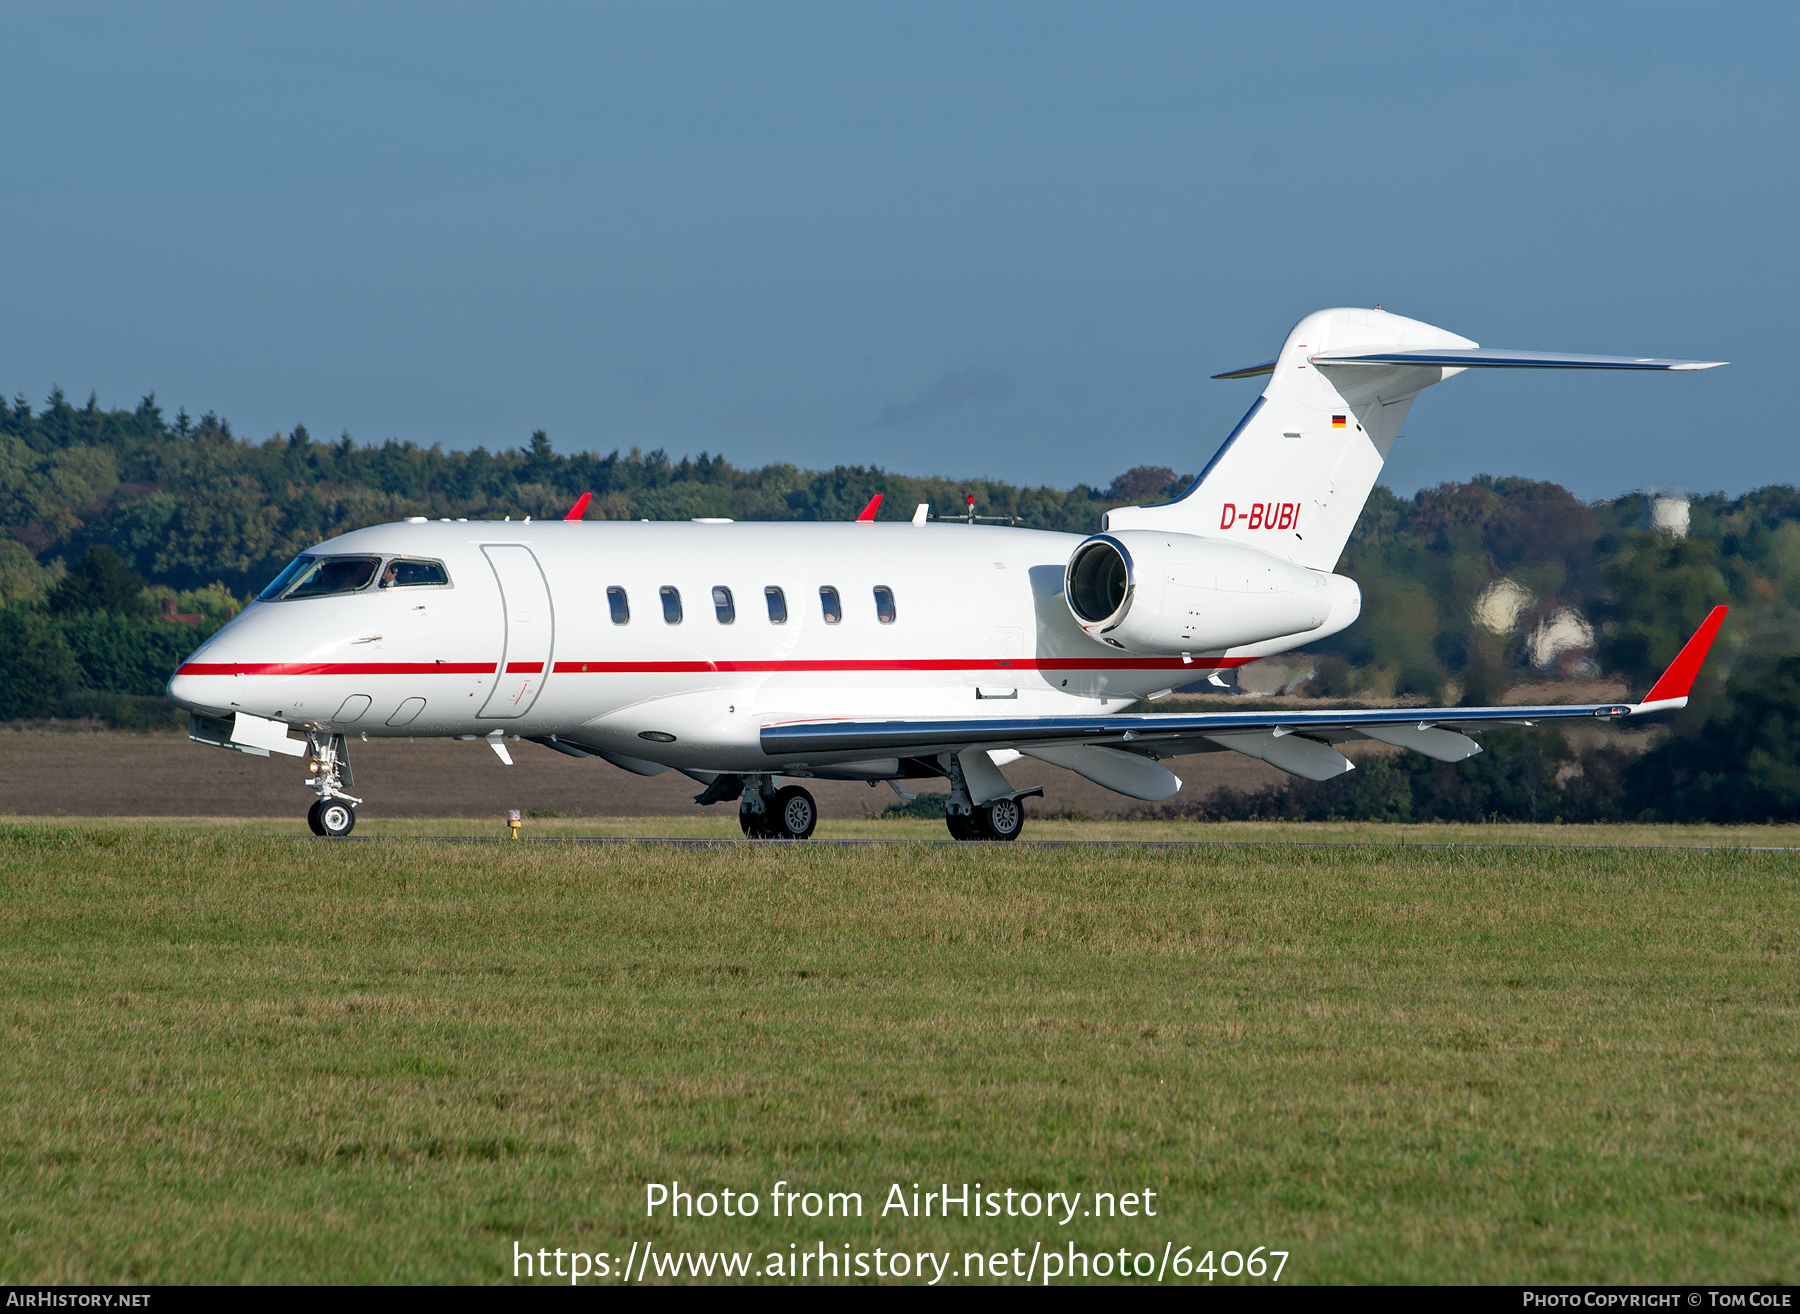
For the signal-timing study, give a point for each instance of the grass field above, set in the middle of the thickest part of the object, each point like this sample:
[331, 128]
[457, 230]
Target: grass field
[719, 824]
[235, 1057]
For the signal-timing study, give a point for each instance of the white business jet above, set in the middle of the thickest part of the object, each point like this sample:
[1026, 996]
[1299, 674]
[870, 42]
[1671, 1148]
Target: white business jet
[746, 655]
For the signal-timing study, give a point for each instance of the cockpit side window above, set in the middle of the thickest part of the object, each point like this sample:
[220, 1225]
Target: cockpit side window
[279, 584]
[402, 573]
[316, 577]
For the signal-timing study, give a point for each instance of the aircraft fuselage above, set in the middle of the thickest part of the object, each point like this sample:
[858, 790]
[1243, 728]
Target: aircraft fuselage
[528, 637]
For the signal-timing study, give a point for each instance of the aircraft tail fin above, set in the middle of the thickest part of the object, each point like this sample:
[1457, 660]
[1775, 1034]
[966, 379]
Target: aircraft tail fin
[1292, 478]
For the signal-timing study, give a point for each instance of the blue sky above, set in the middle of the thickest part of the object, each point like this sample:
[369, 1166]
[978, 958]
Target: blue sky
[1002, 240]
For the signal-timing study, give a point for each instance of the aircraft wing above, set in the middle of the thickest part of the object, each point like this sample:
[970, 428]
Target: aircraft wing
[1300, 742]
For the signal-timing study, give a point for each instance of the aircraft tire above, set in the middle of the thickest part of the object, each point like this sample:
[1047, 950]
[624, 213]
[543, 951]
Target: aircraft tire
[336, 818]
[961, 827]
[1002, 819]
[794, 812]
[312, 817]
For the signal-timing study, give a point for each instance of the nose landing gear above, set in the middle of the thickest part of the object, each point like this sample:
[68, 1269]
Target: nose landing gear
[334, 813]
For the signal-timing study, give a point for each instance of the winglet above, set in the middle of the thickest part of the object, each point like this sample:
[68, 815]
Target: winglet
[1675, 682]
[580, 507]
[868, 512]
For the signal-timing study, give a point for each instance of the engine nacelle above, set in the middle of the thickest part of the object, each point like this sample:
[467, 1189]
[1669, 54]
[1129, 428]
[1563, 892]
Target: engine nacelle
[1168, 594]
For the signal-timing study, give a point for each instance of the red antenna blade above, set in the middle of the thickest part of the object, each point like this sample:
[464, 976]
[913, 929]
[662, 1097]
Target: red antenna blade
[868, 512]
[576, 511]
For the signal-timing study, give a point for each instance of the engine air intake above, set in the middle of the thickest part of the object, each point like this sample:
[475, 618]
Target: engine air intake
[1099, 580]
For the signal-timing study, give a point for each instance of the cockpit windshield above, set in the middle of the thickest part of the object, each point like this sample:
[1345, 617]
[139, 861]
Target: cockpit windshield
[315, 577]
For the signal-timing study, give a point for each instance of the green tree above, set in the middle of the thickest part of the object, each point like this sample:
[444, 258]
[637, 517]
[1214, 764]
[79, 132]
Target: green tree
[1662, 590]
[1742, 764]
[127, 655]
[38, 665]
[100, 582]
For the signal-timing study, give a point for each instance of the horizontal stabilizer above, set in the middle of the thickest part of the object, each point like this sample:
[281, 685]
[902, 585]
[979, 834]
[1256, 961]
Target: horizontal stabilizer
[1249, 371]
[1495, 358]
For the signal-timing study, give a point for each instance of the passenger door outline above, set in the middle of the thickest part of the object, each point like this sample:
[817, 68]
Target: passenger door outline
[528, 620]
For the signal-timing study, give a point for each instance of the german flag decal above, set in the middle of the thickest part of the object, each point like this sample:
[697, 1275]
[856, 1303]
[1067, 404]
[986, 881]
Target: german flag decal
[1337, 421]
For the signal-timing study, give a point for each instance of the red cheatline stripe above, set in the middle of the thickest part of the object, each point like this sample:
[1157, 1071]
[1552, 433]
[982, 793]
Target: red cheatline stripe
[996, 665]
[893, 664]
[356, 668]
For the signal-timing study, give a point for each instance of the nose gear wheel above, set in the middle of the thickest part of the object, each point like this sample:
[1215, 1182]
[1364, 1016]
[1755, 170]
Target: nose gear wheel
[331, 817]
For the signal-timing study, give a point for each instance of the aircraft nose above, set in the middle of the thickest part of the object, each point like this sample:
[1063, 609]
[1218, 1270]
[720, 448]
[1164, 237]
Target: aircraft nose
[204, 681]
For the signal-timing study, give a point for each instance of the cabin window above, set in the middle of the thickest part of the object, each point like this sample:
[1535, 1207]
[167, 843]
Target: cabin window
[671, 600]
[315, 577]
[722, 606]
[828, 601]
[404, 574]
[619, 604]
[884, 604]
[777, 601]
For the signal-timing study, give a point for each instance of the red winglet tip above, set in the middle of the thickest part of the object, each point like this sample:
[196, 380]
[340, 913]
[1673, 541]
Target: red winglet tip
[868, 512]
[1679, 678]
[580, 507]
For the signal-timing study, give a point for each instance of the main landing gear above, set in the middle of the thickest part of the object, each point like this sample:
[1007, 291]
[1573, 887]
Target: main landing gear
[328, 771]
[998, 819]
[788, 813]
[1002, 817]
